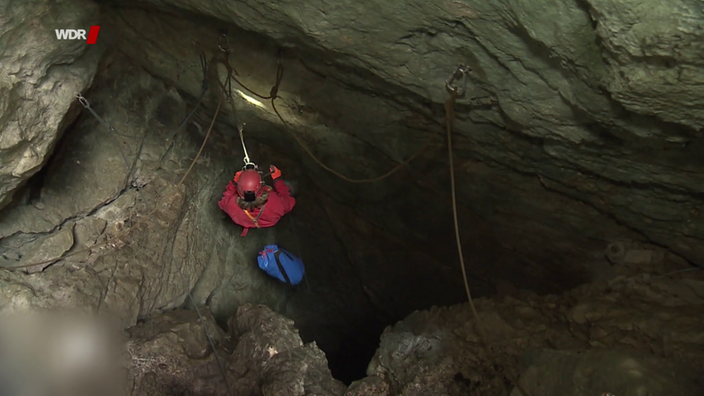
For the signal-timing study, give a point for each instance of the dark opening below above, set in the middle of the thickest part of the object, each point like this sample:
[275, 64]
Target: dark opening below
[349, 361]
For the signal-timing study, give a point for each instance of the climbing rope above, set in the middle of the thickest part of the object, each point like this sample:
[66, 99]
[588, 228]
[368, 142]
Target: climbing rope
[86, 104]
[203, 90]
[205, 140]
[224, 46]
[457, 92]
[173, 256]
[226, 93]
[244, 147]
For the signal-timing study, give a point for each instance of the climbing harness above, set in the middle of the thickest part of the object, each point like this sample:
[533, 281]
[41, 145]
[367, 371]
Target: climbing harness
[255, 220]
[461, 72]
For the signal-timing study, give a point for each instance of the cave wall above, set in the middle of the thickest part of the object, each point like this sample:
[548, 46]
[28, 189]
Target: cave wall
[576, 151]
[39, 78]
[261, 354]
[541, 197]
[629, 336]
[346, 127]
[614, 161]
[126, 237]
[112, 231]
[324, 200]
[560, 153]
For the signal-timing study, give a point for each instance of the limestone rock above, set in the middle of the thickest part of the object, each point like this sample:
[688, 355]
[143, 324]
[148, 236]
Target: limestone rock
[88, 231]
[172, 352]
[48, 250]
[142, 242]
[655, 66]
[368, 386]
[39, 78]
[635, 334]
[599, 372]
[556, 128]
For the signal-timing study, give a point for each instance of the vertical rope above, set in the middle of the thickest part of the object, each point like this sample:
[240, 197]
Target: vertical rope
[450, 116]
[449, 103]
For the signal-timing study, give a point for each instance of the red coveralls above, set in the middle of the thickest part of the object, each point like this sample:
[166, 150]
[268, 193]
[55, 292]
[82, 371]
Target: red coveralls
[278, 204]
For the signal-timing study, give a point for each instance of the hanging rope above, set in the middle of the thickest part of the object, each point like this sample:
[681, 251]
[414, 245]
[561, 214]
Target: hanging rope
[173, 256]
[224, 47]
[244, 147]
[455, 92]
[203, 90]
[205, 140]
[461, 71]
[86, 104]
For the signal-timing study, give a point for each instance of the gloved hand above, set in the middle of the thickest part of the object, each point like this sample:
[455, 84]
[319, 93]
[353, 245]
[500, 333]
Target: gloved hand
[237, 176]
[275, 172]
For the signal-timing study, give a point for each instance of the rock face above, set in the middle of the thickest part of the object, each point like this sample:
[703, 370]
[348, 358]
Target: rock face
[113, 230]
[577, 151]
[39, 78]
[632, 336]
[626, 372]
[582, 119]
[550, 146]
[263, 355]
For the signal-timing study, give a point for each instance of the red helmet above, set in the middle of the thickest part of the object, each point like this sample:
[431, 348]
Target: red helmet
[250, 185]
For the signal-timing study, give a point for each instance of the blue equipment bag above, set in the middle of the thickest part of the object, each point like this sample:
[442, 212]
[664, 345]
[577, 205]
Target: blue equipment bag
[281, 264]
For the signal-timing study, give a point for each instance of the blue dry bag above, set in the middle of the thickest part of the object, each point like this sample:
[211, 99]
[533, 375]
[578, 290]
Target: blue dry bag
[281, 264]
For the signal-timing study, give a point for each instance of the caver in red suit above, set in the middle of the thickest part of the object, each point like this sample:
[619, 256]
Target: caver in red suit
[252, 204]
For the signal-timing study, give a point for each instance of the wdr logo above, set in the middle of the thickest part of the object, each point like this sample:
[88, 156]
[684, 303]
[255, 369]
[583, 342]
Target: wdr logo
[78, 34]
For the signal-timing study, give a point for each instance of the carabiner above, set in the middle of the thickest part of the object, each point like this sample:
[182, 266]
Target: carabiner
[460, 71]
[84, 102]
[220, 43]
